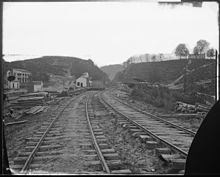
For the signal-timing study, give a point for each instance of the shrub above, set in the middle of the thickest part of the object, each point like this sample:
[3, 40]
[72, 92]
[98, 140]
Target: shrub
[157, 96]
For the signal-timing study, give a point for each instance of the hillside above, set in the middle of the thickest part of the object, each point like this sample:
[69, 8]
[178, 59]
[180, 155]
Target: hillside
[41, 68]
[112, 70]
[167, 71]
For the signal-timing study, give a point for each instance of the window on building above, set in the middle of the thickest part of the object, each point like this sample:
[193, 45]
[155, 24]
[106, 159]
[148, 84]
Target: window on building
[81, 84]
[78, 83]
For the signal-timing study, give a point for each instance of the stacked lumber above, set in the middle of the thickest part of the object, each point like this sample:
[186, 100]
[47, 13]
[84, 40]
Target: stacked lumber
[27, 102]
[45, 108]
[203, 108]
[35, 109]
[17, 122]
[37, 94]
[185, 108]
[188, 108]
[179, 115]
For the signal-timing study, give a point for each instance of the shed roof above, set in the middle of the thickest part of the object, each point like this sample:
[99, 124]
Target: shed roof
[21, 70]
[37, 82]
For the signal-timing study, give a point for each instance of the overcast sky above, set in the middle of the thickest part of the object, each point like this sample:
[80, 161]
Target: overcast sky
[106, 32]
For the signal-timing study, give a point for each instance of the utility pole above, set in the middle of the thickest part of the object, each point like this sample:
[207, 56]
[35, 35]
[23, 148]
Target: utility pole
[216, 77]
[185, 75]
[184, 80]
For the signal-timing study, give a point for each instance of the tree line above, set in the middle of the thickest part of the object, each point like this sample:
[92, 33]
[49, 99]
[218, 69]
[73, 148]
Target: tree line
[202, 47]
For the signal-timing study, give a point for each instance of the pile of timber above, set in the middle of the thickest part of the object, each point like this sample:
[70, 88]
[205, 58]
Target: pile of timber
[36, 109]
[54, 101]
[188, 108]
[203, 108]
[183, 115]
[36, 94]
[179, 115]
[185, 108]
[14, 123]
[27, 102]
[31, 99]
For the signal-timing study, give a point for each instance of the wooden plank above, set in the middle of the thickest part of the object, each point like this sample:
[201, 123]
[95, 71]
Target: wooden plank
[39, 110]
[177, 115]
[33, 109]
[17, 122]
[169, 157]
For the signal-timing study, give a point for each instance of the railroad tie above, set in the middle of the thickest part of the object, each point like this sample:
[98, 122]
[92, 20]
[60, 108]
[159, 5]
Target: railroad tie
[93, 157]
[104, 151]
[103, 146]
[124, 171]
[89, 151]
[144, 138]
[151, 144]
[160, 151]
[114, 164]
[111, 156]
[178, 164]
[138, 134]
[169, 157]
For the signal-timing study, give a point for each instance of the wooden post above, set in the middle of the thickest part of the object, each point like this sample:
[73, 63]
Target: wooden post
[184, 81]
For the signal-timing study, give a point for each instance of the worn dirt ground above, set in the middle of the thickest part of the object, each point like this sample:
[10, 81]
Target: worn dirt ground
[189, 123]
[133, 153]
[16, 135]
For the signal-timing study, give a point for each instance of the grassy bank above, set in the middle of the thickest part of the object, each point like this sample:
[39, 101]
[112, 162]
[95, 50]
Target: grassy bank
[163, 97]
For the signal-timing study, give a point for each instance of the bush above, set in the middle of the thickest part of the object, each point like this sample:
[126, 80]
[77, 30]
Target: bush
[158, 102]
[157, 96]
[63, 94]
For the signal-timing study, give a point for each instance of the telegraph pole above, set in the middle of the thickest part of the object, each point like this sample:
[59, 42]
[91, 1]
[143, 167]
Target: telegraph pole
[185, 75]
[184, 80]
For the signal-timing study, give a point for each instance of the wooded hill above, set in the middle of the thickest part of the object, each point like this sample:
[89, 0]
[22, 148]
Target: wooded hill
[167, 71]
[42, 67]
[112, 70]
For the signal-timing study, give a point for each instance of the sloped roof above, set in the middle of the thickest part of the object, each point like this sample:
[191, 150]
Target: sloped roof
[37, 82]
[84, 75]
[22, 70]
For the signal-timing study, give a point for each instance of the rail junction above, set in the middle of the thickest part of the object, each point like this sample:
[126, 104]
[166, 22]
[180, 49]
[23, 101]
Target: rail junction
[72, 140]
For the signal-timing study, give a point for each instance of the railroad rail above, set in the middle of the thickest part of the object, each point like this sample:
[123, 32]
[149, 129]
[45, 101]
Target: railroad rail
[100, 155]
[153, 130]
[41, 134]
[111, 164]
[158, 118]
[80, 130]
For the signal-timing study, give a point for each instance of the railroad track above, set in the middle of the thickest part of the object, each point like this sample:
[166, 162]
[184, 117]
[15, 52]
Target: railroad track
[170, 120]
[108, 157]
[171, 123]
[70, 142]
[40, 144]
[171, 142]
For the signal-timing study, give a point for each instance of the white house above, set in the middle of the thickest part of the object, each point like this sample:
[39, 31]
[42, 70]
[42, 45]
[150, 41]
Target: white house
[83, 80]
[21, 76]
[38, 86]
[13, 84]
